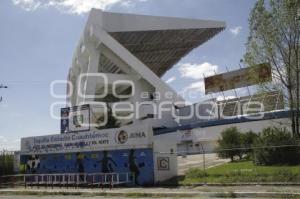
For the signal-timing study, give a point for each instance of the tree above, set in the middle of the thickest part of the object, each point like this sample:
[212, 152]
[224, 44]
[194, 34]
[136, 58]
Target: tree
[276, 146]
[274, 38]
[230, 144]
[6, 163]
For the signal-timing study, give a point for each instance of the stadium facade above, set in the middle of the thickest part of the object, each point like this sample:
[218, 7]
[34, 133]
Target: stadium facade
[115, 80]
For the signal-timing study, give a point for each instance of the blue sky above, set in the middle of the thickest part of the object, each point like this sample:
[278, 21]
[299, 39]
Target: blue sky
[38, 39]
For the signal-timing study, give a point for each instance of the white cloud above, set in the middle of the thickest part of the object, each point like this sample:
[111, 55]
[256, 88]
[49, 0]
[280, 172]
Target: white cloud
[196, 86]
[193, 91]
[171, 79]
[196, 71]
[27, 4]
[236, 30]
[72, 6]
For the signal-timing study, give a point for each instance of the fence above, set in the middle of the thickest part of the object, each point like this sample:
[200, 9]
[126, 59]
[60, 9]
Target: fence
[68, 180]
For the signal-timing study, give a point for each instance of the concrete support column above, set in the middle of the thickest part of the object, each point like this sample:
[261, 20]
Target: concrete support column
[90, 83]
[88, 78]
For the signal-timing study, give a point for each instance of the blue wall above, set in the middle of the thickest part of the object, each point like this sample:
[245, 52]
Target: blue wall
[139, 161]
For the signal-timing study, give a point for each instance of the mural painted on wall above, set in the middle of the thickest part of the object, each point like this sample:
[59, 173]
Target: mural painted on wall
[137, 161]
[32, 164]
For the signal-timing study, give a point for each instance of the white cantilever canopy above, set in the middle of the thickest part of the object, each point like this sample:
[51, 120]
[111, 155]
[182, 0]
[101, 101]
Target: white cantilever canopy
[159, 42]
[139, 46]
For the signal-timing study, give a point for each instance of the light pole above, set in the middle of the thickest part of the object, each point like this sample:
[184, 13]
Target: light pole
[203, 155]
[2, 86]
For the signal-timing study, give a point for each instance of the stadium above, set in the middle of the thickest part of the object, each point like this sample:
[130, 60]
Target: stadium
[123, 123]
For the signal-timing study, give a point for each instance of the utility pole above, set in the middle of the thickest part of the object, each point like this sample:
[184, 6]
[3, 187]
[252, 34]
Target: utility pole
[2, 86]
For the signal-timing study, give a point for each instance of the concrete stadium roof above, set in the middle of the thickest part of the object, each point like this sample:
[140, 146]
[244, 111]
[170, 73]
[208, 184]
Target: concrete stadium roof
[159, 42]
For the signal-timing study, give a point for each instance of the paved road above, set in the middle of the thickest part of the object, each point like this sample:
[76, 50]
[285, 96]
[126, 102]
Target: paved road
[179, 192]
[68, 197]
[53, 197]
[80, 197]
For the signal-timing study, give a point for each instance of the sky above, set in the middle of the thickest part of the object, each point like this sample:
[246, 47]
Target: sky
[38, 38]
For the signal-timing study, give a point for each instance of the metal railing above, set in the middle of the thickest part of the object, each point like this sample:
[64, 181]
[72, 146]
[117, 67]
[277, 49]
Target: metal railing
[69, 179]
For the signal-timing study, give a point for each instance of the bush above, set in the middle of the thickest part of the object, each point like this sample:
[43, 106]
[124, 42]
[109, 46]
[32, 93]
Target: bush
[273, 146]
[230, 144]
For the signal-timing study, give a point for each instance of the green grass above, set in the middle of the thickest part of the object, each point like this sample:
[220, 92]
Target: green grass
[244, 171]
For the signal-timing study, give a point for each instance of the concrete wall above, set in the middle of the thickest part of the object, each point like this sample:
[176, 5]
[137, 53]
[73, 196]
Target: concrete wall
[196, 147]
[165, 157]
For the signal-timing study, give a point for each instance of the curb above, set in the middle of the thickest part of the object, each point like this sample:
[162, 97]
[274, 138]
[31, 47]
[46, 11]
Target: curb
[150, 194]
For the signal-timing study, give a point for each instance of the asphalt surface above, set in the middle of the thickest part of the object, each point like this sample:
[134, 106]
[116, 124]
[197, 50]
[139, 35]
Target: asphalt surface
[193, 161]
[179, 192]
[80, 197]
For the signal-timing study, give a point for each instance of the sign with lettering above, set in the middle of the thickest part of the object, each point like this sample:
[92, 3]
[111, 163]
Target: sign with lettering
[239, 78]
[163, 163]
[124, 137]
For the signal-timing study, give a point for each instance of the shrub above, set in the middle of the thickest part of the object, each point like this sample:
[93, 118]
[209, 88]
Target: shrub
[230, 144]
[273, 146]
